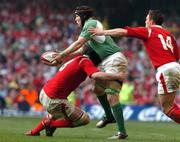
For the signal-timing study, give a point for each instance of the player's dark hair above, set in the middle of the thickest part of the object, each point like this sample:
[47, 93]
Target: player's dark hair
[156, 16]
[85, 12]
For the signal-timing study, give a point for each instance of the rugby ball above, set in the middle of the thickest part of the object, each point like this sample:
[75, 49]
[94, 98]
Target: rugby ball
[48, 56]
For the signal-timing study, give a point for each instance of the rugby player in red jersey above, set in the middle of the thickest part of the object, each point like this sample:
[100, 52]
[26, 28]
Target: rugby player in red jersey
[54, 93]
[164, 55]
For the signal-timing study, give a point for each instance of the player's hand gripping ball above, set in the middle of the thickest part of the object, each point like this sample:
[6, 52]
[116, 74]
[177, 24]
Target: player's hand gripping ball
[47, 57]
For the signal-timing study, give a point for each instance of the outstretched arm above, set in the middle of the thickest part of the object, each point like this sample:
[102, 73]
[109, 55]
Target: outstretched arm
[72, 48]
[112, 32]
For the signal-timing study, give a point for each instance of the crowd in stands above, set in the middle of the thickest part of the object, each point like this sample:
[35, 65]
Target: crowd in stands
[28, 30]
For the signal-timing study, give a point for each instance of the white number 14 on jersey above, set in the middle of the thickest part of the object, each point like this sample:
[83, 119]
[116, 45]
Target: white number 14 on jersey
[166, 43]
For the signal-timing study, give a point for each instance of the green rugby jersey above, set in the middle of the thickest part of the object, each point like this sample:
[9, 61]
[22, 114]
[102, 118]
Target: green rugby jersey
[104, 46]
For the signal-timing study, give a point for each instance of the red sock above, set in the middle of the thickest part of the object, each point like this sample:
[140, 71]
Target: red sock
[61, 123]
[174, 113]
[39, 127]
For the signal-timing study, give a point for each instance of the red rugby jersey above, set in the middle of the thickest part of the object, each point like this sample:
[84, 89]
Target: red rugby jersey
[69, 76]
[160, 44]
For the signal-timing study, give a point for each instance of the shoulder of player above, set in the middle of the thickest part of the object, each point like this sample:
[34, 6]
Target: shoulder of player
[90, 23]
[161, 30]
[83, 59]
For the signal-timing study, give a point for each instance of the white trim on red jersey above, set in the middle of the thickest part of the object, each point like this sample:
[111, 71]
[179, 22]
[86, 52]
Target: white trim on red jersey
[149, 32]
[157, 26]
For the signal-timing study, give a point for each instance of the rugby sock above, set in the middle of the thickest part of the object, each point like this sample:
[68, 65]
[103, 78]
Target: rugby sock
[118, 115]
[53, 123]
[39, 127]
[174, 113]
[105, 104]
[61, 123]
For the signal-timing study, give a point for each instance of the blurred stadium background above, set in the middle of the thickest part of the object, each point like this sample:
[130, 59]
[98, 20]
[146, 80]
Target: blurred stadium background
[29, 28]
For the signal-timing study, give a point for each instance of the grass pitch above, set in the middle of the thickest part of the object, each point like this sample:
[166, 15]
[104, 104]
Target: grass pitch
[13, 129]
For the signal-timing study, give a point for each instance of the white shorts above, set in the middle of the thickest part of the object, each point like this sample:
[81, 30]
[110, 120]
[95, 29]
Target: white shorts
[58, 108]
[113, 64]
[168, 78]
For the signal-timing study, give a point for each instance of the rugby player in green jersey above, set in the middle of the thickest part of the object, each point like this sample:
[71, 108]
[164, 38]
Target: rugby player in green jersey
[109, 59]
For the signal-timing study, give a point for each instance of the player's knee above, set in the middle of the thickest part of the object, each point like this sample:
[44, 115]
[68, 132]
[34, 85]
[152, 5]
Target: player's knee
[113, 88]
[98, 91]
[113, 99]
[167, 101]
[86, 119]
[165, 108]
[83, 119]
[99, 88]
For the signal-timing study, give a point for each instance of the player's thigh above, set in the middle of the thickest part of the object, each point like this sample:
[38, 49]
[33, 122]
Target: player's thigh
[58, 108]
[100, 86]
[114, 64]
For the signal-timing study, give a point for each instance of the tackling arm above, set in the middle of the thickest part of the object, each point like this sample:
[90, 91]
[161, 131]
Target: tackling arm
[109, 76]
[112, 32]
[116, 32]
